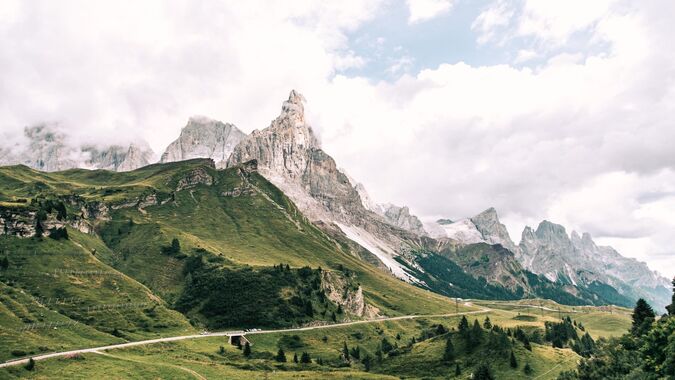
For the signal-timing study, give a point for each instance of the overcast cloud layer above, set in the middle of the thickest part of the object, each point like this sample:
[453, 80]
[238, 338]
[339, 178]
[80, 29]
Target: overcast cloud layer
[574, 123]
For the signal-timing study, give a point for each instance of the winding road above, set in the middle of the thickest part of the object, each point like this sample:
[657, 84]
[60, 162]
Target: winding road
[98, 350]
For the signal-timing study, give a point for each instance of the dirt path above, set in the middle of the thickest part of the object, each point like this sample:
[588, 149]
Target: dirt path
[98, 350]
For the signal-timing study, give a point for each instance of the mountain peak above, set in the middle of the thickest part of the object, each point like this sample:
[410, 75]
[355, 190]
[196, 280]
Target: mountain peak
[547, 228]
[293, 108]
[203, 137]
[492, 230]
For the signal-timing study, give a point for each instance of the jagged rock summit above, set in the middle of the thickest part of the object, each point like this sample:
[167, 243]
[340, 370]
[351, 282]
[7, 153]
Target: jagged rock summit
[289, 155]
[204, 138]
[482, 228]
[578, 260]
[49, 148]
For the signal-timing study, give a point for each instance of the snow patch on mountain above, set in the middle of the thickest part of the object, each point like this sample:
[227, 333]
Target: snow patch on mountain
[378, 248]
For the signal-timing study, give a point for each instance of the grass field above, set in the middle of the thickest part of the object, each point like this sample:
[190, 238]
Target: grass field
[119, 284]
[201, 358]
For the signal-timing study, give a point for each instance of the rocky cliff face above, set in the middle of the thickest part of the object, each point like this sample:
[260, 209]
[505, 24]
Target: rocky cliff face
[204, 138]
[492, 230]
[392, 214]
[575, 259]
[482, 228]
[341, 291]
[290, 156]
[118, 158]
[50, 149]
[401, 217]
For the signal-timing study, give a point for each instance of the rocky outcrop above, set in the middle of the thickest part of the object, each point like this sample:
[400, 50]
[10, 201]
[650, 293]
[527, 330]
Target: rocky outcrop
[575, 259]
[401, 217]
[204, 138]
[341, 291]
[195, 177]
[49, 148]
[492, 230]
[482, 228]
[119, 158]
[289, 155]
[17, 221]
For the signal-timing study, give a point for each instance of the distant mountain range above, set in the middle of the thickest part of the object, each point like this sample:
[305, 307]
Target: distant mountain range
[562, 258]
[473, 257]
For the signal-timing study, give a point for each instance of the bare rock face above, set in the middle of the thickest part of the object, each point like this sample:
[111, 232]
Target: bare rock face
[49, 148]
[204, 138]
[401, 217]
[289, 155]
[195, 177]
[492, 230]
[548, 250]
[339, 291]
[118, 158]
[17, 222]
[482, 228]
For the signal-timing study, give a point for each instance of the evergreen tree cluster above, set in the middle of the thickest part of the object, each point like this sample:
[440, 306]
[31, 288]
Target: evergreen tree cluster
[647, 351]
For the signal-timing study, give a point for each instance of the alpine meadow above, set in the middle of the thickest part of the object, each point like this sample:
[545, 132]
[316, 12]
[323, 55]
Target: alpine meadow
[512, 217]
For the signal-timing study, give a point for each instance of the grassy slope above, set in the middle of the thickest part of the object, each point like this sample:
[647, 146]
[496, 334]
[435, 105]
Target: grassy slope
[170, 360]
[245, 230]
[46, 293]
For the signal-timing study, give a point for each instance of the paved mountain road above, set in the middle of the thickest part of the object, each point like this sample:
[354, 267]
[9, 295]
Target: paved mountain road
[227, 333]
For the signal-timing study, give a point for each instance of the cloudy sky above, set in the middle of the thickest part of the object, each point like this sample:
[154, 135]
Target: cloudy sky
[559, 110]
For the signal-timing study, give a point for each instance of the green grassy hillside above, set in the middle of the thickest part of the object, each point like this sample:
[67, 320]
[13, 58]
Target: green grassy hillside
[122, 280]
[405, 358]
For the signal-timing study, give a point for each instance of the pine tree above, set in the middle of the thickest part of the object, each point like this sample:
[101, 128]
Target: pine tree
[527, 369]
[386, 346]
[643, 317]
[487, 324]
[514, 362]
[345, 351]
[671, 307]
[247, 349]
[281, 356]
[476, 334]
[355, 352]
[463, 326]
[175, 246]
[458, 371]
[30, 365]
[483, 372]
[366, 363]
[295, 358]
[378, 355]
[221, 350]
[4, 263]
[526, 343]
[305, 358]
[449, 352]
[440, 329]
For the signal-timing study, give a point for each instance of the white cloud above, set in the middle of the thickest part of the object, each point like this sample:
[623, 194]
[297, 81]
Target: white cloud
[525, 55]
[584, 138]
[122, 69]
[491, 20]
[423, 10]
[553, 22]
